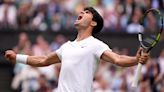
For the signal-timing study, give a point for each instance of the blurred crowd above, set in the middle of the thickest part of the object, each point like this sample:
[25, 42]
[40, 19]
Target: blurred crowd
[109, 77]
[57, 15]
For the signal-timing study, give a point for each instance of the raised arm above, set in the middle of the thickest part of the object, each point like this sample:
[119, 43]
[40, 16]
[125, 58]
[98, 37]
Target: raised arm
[37, 61]
[123, 60]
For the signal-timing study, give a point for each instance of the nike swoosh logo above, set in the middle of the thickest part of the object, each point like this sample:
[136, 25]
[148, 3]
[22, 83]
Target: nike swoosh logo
[83, 46]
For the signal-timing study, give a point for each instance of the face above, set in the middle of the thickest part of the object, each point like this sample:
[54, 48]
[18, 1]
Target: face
[84, 20]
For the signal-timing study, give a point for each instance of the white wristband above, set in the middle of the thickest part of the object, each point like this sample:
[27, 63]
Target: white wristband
[21, 58]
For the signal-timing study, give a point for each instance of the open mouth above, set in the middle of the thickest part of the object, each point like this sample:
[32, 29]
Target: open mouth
[79, 17]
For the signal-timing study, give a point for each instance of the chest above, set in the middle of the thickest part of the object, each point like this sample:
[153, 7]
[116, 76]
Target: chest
[77, 51]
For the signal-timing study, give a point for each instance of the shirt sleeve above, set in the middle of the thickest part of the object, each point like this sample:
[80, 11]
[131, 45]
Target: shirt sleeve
[100, 48]
[59, 53]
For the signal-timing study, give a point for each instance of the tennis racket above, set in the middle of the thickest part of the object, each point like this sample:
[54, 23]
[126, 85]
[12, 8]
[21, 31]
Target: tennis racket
[148, 40]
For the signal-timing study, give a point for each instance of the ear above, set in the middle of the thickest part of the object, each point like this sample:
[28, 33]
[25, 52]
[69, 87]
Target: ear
[93, 23]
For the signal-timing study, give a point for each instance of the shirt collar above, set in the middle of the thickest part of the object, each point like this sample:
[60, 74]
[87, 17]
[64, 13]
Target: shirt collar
[84, 41]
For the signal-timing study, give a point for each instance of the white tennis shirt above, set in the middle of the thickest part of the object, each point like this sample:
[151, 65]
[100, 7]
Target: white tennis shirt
[79, 61]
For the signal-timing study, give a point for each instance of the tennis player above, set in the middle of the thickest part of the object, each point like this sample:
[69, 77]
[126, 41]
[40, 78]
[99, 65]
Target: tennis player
[80, 58]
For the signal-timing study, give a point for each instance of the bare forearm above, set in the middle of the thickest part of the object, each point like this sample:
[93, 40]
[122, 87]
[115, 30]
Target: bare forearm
[121, 60]
[126, 61]
[40, 61]
[37, 61]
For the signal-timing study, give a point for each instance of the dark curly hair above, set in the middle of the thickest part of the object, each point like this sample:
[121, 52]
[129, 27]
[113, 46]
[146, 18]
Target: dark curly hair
[97, 18]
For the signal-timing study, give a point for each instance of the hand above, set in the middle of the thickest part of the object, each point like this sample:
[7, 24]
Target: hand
[11, 56]
[142, 58]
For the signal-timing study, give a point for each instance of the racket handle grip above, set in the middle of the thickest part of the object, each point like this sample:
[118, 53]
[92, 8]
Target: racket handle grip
[137, 75]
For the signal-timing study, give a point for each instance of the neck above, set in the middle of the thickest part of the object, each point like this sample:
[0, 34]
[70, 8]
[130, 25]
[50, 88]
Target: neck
[82, 34]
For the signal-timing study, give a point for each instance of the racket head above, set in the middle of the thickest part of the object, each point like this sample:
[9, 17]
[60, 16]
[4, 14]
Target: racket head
[150, 39]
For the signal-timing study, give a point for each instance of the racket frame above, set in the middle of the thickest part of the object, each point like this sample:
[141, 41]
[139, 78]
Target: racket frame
[145, 48]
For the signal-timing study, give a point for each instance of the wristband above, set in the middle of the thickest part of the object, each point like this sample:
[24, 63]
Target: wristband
[21, 58]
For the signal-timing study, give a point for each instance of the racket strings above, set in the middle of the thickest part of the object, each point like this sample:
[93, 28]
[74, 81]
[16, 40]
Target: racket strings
[150, 39]
[152, 23]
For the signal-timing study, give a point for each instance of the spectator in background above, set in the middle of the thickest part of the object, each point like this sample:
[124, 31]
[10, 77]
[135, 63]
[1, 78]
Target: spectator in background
[57, 42]
[162, 87]
[129, 6]
[134, 26]
[55, 12]
[24, 15]
[124, 85]
[23, 47]
[36, 3]
[56, 23]
[124, 18]
[155, 82]
[161, 61]
[160, 78]
[152, 76]
[26, 80]
[128, 9]
[127, 78]
[40, 20]
[106, 20]
[60, 14]
[101, 85]
[161, 5]
[70, 11]
[44, 87]
[41, 46]
[24, 44]
[144, 85]
[111, 17]
[115, 82]
[54, 6]
[70, 5]
[140, 3]
[8, 13]
[70, 18]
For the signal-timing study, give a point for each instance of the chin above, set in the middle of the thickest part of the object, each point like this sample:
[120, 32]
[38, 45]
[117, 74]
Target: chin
[76, 26]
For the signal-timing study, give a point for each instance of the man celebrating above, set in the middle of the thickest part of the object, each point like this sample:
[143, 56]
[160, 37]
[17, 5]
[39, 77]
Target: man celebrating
[79, 59]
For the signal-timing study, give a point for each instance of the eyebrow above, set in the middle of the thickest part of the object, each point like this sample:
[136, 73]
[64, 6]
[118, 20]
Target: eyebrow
[87, 11]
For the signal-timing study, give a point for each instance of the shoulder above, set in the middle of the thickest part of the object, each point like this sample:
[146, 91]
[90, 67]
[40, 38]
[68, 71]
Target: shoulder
[98, 42]
[65, 44]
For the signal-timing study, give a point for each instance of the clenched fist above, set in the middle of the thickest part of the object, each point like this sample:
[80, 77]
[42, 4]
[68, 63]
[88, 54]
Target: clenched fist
[11, 56]
[142, 58]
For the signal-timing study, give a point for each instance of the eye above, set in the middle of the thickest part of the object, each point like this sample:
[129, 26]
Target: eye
[87, 12]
